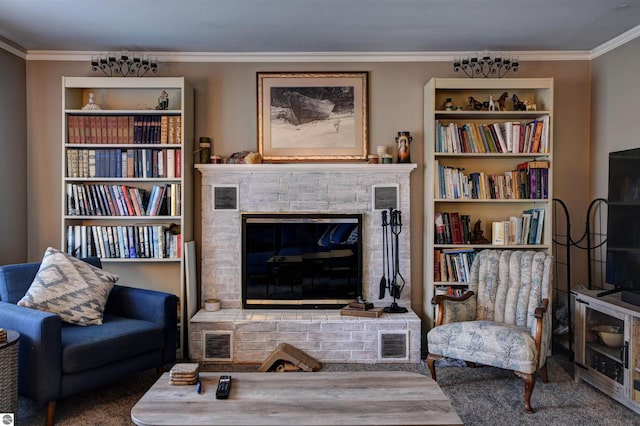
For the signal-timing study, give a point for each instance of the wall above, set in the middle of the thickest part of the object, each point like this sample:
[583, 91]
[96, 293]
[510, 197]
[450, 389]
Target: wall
[13, 159]
[225, 97]
[614, 109]
[613, 125]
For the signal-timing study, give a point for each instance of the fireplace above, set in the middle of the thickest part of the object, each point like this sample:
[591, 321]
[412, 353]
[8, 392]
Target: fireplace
[301, 260]
[327, 191]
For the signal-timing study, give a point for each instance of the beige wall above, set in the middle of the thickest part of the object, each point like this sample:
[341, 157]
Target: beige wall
[13, 159]
[225, 97]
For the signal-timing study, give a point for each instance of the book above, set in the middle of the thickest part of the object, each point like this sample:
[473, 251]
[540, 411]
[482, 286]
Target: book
[456, 228]
[361, 305]
[448, 239]
[369, 313]
[501, 140]
[498, 233]
[171, 163]
[439, 228]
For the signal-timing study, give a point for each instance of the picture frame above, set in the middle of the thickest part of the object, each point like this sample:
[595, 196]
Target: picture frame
[312, 116]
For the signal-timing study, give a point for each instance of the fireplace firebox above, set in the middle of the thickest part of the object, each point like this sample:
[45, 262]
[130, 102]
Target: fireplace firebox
[301, 260]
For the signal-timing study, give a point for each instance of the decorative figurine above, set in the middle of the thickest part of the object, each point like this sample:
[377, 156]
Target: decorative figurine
[163, 101]
[492, 105]
[92, 103]
[530, 106]
[448, 105]
[404, 146]
[477, 237]
[474, 104]
[502, 100]
[517, 105]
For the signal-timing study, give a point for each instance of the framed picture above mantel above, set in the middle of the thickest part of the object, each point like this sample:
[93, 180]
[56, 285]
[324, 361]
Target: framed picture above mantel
[312, 116]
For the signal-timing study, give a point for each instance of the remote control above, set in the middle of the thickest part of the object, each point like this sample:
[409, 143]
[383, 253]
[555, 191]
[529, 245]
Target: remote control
[224, 386]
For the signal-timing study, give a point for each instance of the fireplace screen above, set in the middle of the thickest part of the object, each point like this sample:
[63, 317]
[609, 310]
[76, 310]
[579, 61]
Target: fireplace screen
[301, 260]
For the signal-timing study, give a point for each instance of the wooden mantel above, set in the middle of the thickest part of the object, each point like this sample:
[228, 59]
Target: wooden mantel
[307, 167]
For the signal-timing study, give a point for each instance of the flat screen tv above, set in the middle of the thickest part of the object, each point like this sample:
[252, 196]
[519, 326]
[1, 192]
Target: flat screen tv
[623, 224]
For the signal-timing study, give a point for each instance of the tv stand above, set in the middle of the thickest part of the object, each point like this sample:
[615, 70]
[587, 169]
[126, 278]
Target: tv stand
[613, 369]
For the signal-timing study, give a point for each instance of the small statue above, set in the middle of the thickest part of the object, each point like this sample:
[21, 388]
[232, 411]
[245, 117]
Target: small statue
[530, 106]
[448, 105]
[474, 104]
[163, 101]
[517, 104]
[92, 103]
[502, 100]
[404, 146]
[492, 105]
[477, 234]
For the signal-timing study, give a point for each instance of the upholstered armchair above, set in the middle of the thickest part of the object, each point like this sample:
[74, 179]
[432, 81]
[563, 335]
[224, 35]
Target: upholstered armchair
[58, 359]
[503, 320]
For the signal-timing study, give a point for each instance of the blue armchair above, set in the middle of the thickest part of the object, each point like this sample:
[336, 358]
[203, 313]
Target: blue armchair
[57, 359]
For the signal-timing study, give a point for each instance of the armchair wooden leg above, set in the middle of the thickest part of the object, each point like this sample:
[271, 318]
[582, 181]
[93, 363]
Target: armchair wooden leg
[159, 371]
[51, 412]
[431, 362]
[529, 383]
[543, 373]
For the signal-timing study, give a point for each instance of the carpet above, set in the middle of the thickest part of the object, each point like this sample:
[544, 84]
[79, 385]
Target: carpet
[480, 396]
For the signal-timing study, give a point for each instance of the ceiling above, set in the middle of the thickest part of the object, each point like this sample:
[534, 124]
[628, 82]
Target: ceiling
[252, 26]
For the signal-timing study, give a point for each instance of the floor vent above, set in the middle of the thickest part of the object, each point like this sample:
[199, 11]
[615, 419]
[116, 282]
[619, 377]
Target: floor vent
[217, 345]
[393, 345]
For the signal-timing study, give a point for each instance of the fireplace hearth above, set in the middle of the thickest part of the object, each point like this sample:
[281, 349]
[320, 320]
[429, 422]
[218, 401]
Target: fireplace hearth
[301, 260]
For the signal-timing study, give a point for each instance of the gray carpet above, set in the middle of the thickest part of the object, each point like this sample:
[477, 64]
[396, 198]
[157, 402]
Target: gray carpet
[480, 396]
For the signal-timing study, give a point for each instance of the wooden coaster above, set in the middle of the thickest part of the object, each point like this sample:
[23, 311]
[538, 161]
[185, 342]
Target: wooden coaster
[185, 368]
[183, 382]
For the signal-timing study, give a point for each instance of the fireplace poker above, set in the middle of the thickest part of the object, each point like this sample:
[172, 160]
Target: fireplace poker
[396, 229]
[383, 280]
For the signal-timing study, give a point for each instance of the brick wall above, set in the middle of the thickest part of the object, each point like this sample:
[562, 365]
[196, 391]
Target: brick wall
[318, 188]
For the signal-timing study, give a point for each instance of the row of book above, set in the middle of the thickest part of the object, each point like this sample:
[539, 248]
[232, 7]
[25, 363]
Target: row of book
[124, 163]
[450, 291]
[510, 136]
[530, 180]
[123, 200]
[124, 129]
[525, 229]
[453, 265]
[125, 242]
[452, 228]
[455, 228]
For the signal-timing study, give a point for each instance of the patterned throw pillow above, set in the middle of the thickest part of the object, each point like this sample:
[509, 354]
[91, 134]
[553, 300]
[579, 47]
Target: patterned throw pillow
[71, 288]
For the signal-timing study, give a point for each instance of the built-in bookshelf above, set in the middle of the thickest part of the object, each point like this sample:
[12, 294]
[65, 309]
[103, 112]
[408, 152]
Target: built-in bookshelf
[488, 174]
[127, 179]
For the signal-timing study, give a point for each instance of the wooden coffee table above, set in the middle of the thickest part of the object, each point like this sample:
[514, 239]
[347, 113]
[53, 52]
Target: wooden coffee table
[300, 398]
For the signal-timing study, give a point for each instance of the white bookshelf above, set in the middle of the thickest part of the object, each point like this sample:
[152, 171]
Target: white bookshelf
[135, 98]
[487, 210]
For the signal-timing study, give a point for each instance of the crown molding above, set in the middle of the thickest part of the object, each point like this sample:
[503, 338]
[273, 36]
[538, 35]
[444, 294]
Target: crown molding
[81, 56]
[12, 49]
[616, 42]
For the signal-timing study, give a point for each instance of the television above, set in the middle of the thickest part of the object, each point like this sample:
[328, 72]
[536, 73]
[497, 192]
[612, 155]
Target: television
[623, 225]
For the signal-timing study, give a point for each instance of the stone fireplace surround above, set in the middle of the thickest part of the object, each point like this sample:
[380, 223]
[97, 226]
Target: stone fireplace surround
[300, 187]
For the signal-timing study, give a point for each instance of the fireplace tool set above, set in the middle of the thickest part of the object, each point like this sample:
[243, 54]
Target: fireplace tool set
[392, 280]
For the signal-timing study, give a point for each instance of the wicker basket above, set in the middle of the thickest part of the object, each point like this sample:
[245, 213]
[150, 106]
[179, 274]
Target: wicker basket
[9, 373]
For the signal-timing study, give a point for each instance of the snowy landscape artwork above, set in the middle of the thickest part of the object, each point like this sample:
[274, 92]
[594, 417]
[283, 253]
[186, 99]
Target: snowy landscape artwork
[312, 116]
[308, 117]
